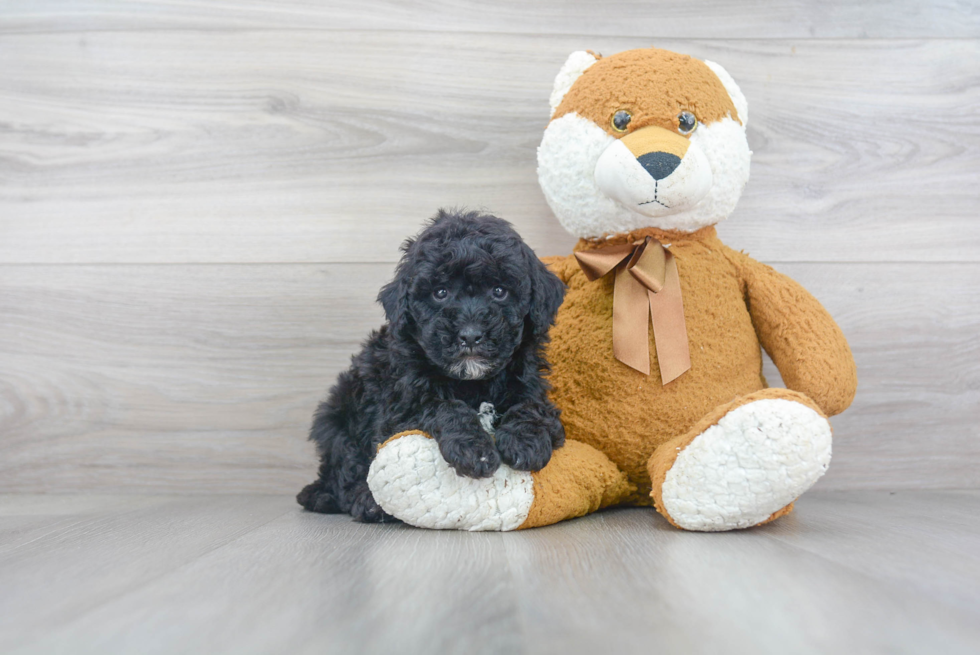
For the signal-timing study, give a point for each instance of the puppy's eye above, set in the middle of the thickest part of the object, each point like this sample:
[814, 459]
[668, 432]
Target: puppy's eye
[499, 293]
[686, 122]
[441, 293]
[621, 120]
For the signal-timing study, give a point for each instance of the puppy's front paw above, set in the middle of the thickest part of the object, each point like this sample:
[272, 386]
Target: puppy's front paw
[474, 457]
[315, 498]
[527, 434]
[524, 445]
[366, 510]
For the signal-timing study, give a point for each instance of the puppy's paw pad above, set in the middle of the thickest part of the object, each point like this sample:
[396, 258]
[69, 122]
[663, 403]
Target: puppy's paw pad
[411, 481]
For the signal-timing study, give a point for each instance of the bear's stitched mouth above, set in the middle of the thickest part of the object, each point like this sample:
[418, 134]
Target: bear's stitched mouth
[656, 184]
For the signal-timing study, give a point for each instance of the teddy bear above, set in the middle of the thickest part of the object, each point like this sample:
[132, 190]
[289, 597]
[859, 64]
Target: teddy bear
[655, 353]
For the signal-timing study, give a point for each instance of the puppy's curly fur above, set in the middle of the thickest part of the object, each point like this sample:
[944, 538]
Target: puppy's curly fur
[468, 316]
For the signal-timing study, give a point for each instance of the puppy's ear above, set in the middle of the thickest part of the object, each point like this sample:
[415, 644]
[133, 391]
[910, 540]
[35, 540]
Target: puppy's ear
[547, 293]
[394, 295]
[394, 298]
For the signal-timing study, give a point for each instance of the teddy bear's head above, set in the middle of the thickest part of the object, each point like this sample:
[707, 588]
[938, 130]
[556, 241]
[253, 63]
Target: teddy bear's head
[643, 138]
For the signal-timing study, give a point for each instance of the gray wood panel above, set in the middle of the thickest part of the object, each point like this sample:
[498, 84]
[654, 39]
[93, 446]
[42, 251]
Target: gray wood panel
[912, 539]
[744, 593]
[108, 554]
[198, 379]
[663, 19]
[198, 202]
[27, 520]
[188, 378]
[329, 146]
[847, 572]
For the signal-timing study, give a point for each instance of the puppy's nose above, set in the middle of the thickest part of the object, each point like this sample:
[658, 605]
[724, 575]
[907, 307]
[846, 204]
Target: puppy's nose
[659, 164]
[470, 336]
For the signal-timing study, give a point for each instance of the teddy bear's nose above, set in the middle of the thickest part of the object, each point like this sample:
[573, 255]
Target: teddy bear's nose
[659, 164]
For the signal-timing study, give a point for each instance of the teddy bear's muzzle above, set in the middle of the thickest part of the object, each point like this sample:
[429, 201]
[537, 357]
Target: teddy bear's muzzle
[654, 171]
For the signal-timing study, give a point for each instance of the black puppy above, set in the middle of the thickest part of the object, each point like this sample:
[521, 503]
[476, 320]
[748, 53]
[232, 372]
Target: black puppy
[468, 316]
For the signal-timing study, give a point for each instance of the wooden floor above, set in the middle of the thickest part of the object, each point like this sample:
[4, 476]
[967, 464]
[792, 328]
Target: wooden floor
[848, 572]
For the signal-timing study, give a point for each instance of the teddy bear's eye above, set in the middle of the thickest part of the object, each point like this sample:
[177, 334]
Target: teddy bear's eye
[621, 120]
[686, 122]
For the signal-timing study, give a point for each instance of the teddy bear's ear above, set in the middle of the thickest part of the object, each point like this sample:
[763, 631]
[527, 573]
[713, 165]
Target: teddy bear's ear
[738, 98]
[574, 66]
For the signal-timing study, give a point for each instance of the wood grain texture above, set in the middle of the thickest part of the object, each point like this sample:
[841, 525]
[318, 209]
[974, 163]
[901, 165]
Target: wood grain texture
[332, 146]
[27, 520]
[745, 593]
[195, 379]
[847, 572]
[109, 553]
[910, 539]
[663, 19]
[186, 377]
[199, 201]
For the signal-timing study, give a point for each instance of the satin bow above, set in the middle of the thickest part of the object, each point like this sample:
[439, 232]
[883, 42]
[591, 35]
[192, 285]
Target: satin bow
[646, 284]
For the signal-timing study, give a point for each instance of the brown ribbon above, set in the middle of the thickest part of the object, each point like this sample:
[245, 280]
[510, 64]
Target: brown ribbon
[646, 276]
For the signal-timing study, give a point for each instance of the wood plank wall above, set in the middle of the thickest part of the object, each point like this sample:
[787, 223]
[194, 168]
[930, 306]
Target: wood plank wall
[199, 201]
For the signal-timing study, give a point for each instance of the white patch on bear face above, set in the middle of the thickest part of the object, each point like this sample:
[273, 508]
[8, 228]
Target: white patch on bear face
[567, 156]
[619, 175]
[567, 161]
[724, 144]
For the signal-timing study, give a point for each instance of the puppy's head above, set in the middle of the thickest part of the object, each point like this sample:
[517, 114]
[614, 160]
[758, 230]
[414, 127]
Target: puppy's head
[470, 292]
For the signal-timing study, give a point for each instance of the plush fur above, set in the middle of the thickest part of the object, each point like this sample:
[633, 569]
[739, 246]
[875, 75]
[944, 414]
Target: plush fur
[576, 159]
[468, 316]
[713, 449]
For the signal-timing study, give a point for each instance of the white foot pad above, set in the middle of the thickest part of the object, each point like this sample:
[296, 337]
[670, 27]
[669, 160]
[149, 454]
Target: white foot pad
[757, 459]
[410, 480]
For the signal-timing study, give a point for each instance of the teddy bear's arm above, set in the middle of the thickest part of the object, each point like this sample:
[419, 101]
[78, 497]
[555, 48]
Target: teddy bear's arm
[800, 336]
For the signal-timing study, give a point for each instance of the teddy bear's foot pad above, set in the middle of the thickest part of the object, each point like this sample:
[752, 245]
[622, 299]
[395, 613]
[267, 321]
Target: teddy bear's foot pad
[757, 459]
[410, 480]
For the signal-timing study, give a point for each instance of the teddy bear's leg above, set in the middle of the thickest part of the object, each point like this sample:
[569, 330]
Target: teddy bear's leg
[742, 465]
[411, 481]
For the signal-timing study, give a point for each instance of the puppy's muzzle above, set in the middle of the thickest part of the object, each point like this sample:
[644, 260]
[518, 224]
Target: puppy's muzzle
[654, 171]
